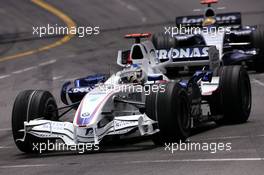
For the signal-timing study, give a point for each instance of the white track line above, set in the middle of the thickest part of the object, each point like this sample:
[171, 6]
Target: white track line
[5, 129]
[47, 63]
[6, 147]
[69, 79]
[221, 8]
[151, 161]
[227, 137]
[258, 82]
[56, 78]
[133, 9]
[197, 10]
[195, 160]
[4, 76]
[28, 69]
[24, 70]
[25, 166]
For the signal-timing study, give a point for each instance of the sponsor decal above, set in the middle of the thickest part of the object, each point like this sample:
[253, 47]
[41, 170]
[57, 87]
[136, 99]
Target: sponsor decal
[82, 90]
[186, 20]
[123, 124]
[183, 53]
[232, 18]
[54, 126]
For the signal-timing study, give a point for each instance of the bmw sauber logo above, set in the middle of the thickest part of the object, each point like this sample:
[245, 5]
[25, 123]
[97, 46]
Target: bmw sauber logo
[85, 115]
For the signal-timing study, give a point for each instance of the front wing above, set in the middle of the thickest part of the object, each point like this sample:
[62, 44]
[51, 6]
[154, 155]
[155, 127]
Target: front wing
[73, 135]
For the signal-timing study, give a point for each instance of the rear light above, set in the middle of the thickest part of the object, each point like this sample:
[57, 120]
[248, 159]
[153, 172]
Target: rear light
[138, 35]
[209, 1]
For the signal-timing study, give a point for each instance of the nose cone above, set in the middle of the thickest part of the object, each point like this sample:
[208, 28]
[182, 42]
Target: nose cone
[90, 108]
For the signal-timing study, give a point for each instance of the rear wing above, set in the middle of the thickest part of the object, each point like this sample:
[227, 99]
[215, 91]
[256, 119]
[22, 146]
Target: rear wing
[191, 56]
[224, 19]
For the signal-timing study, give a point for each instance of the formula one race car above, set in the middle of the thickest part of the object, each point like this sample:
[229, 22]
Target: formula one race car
[192, 35]
[139, 100]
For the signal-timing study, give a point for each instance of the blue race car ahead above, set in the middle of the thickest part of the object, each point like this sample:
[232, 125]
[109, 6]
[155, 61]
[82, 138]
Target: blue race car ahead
[193, 35]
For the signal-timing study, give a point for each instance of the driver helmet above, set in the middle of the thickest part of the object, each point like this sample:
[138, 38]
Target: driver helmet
[134, 74]
[136, 77]
[209, 21]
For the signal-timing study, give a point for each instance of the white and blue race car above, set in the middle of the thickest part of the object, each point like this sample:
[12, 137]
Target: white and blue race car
[139, 100]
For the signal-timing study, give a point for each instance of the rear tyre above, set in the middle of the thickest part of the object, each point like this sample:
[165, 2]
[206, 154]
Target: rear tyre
[258, 42]
[163, 41]
[235, 93]
[171, 109]
[29, 105]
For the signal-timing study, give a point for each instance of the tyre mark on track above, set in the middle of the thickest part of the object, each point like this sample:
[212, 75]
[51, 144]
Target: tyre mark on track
[66, 19]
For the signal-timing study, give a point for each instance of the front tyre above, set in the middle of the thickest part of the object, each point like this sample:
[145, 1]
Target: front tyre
[30, 105]
[171, 109]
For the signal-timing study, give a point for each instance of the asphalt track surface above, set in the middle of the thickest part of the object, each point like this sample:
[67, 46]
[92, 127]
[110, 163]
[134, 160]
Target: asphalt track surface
[92, 54]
